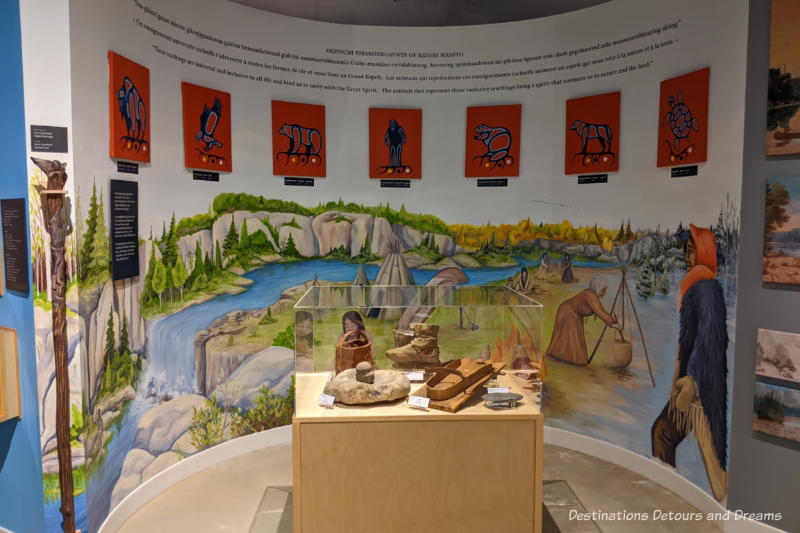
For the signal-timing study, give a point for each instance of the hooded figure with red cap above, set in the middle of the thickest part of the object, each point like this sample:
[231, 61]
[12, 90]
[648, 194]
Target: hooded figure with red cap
[699, 392]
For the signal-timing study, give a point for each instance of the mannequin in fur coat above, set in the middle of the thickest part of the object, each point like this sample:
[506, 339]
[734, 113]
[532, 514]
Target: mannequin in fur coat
[699, 392]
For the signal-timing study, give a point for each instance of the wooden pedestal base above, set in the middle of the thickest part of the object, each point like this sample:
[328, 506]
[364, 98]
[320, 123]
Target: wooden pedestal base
[390, 468]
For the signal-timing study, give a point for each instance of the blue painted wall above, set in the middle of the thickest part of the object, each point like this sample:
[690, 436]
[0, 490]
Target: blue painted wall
[21, 506]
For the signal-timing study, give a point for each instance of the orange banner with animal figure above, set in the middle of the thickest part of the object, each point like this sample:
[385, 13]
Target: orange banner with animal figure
[395, 143]
[129, 109]
[683, 119]
[298, 139]
[493, 141]
[592, 139]
[206, 128]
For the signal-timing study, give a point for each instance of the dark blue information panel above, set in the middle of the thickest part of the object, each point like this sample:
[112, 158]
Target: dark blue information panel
[124, 229]
[15, 244]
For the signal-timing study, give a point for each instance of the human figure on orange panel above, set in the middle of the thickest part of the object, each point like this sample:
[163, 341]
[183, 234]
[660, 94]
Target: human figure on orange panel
[395, 138]
[568, 342]
[699, 392]
[566, 274]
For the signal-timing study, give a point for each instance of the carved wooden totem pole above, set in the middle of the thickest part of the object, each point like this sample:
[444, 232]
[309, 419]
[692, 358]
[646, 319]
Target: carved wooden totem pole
[56, 212]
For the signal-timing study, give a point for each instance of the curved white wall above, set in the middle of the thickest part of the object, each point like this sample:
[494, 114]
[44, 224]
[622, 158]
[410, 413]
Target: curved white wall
[697, 34]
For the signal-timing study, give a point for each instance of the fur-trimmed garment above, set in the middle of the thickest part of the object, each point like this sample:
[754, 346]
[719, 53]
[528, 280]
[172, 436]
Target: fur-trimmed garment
[702, 347]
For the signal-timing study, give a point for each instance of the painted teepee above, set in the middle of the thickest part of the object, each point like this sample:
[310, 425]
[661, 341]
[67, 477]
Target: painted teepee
[391, 293]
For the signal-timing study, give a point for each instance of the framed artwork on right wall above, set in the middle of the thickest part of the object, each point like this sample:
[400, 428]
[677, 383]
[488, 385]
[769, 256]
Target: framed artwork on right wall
[781, 261]
[778, 355]
[783, 92]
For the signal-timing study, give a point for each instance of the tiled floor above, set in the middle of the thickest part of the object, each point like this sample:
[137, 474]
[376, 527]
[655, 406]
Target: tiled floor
[252, 493]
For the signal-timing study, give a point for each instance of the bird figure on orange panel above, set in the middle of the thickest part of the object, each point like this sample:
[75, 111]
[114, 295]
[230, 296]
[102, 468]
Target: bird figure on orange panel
[301, 138]
[134, 113]
[681, 122]
[598, 132]
[209, 120]
[394, 139]
[498, 143]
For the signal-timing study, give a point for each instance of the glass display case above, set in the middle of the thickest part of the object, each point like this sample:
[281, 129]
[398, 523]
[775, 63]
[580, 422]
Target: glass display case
[419, 328]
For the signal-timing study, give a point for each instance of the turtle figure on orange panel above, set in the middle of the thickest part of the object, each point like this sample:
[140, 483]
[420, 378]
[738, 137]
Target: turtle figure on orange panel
[698, 397]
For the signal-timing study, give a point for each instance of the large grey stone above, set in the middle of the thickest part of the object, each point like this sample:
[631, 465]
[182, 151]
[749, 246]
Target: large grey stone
[332, 230]
[387, 386]
[161, 426]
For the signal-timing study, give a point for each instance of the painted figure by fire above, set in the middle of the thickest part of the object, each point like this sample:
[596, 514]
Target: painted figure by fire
[134, 113]
[395, 138]
[681, 122]
[602, 134]
[498, 144]
[209, 120]
[309, 140]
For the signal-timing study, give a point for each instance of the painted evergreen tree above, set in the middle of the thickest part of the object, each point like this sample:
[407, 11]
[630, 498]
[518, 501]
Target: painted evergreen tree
[645, 284]
[109, 352]
[199, 268]
[148, 294]
[231, 243]
[621, 233]
[169, 247]
[243, 235]
[290, 249]
[208, 265]
[100, 255]
[124, 341]
[366, 250]
[179, 275]
[218, 259]
[159, 281]
[629, 236]
[87, 250]
[597, 238]
[78, 229]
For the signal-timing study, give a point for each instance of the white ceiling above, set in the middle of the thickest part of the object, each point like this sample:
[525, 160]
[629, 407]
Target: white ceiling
[419, 12]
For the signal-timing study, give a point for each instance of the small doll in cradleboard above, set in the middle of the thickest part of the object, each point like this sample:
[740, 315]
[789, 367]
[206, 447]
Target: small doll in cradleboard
[348, 343]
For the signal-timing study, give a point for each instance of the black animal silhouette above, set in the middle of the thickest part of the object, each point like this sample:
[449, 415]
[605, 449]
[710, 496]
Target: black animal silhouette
[301, 137]
[133, 112]
[600, 132]
[498, 143]
[209, 120]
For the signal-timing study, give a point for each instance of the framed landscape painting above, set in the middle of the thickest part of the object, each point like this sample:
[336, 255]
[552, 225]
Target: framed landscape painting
[778, 355]
[776, 411]
[783, 92]
[781, 262]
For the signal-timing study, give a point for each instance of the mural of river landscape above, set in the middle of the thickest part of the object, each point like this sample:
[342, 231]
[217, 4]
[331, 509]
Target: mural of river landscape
[199, 349]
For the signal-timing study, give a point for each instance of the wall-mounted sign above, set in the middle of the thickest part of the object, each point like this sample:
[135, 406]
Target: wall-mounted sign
[15, 244]
[48, 139]
[124, 229]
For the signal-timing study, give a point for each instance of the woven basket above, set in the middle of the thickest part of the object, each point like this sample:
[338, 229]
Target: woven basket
[353, 348]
